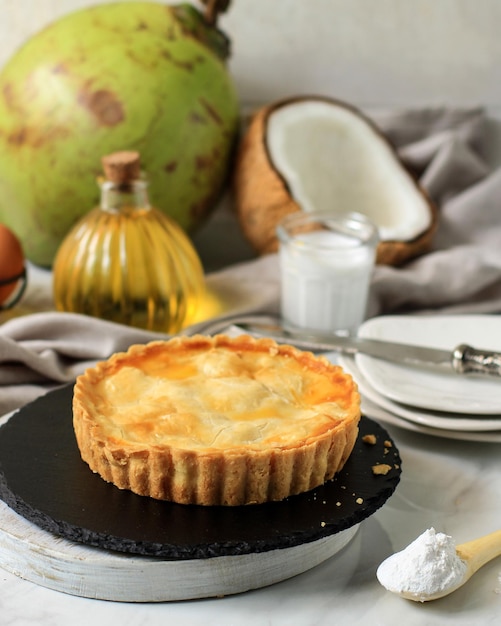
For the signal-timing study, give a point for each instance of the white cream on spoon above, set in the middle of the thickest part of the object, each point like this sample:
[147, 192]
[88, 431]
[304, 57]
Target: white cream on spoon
[432, 566]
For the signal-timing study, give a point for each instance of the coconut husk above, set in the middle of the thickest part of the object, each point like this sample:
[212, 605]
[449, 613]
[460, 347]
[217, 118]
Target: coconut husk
[263, 199]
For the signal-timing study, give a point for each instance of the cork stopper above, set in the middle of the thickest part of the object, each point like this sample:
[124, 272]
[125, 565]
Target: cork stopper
[123, 167]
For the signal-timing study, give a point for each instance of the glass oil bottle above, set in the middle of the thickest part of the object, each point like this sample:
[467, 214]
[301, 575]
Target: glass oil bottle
[126, 261]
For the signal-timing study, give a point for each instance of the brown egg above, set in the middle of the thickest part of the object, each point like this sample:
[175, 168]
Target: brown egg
[11, 263]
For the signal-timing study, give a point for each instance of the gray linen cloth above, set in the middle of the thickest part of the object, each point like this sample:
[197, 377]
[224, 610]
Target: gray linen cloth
[462, 274]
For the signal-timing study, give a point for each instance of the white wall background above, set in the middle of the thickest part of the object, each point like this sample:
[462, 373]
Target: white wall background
[368, 52]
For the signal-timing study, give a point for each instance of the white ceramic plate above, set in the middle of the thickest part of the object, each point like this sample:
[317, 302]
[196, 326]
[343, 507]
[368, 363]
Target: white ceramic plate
[425, 387]
[382, 415]
[473, 429]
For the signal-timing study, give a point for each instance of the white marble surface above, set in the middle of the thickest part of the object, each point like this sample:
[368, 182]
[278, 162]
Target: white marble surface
[453, 486]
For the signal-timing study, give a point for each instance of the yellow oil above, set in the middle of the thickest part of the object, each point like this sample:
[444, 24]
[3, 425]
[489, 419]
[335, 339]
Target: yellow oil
[128, 262]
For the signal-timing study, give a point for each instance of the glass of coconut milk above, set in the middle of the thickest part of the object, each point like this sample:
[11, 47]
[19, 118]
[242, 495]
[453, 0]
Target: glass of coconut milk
[326, 263]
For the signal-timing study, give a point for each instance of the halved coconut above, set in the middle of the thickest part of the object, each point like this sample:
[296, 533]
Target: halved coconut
[320, 154]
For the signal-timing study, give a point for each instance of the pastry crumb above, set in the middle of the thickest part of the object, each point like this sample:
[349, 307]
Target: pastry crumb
[322, 524]
[338, 503]
[370, 439]
[381, 469]
[359, 500]
[388, 444]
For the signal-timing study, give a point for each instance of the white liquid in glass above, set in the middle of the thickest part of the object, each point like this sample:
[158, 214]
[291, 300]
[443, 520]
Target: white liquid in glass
[325, 281]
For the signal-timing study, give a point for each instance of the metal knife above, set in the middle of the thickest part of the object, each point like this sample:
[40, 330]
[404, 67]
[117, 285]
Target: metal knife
[463, 359]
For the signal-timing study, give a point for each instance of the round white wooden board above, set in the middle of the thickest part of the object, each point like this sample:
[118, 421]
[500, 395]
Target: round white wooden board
[45, 559]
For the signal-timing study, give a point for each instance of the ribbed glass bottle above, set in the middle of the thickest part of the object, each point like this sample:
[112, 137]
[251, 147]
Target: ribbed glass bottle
[126, 261]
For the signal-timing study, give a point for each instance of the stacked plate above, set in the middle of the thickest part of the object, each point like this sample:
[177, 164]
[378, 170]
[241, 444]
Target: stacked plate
[435, 401]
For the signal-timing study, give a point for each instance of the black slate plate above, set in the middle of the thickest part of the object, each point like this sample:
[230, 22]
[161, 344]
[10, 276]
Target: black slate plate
[43, 478]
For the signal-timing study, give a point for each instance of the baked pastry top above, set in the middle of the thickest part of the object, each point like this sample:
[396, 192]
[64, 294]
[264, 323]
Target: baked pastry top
[216, 420]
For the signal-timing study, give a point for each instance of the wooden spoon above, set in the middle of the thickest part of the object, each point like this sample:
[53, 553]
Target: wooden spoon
[474, 554]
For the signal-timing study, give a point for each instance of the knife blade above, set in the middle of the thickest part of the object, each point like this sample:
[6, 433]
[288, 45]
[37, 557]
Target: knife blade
[463, 359]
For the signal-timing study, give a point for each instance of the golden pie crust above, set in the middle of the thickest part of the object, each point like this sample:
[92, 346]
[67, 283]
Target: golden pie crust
[216, 420]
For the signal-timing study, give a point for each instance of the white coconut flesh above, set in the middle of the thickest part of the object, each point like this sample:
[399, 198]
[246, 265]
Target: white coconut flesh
[333, 160]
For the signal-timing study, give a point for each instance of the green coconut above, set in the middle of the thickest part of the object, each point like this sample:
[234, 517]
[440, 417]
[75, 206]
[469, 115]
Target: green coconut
[123, 76]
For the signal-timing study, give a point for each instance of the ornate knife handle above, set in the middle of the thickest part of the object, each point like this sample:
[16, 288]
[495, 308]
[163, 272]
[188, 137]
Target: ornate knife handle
[468, 360]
